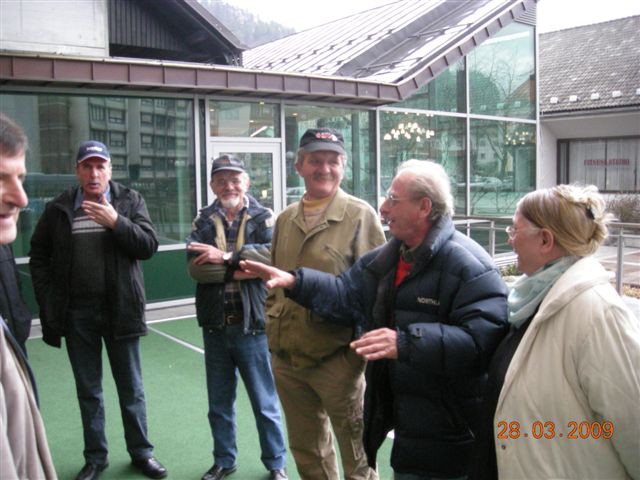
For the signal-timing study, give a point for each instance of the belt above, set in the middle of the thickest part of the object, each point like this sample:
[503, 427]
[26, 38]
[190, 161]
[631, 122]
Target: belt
[232, 319]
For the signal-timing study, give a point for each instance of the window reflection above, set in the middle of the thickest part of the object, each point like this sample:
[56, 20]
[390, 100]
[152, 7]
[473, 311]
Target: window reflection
[502, 74]
[357, 127]
[446, 93]
[502, 165]
[423, 136]
[244, 119]
[150, 142]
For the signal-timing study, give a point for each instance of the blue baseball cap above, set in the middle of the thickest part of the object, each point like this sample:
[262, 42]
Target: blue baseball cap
[92, 149]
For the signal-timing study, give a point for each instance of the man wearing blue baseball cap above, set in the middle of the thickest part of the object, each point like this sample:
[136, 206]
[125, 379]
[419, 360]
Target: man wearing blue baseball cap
[85, 264]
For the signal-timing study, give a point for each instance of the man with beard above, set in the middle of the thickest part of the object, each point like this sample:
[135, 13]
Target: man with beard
[230, 310]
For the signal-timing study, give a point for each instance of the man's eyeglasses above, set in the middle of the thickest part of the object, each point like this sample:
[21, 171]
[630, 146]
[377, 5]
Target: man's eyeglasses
[222, 182]
[511, 230]
[394, 199]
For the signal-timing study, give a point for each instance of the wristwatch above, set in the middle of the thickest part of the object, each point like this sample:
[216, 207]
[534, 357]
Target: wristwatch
[226, 258]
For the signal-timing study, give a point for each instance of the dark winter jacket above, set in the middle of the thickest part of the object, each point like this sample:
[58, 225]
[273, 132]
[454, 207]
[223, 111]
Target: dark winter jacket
[450, 313]
[255, 244]
[12, 306]
[131, 240]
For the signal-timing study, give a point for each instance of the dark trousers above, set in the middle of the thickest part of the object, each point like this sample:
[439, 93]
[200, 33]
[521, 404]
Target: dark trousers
[87, 330]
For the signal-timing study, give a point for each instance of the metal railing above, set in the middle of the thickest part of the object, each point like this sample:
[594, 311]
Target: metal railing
[623, 242]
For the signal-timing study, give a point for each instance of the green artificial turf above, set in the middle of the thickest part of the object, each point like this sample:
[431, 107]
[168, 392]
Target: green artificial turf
[176, 397]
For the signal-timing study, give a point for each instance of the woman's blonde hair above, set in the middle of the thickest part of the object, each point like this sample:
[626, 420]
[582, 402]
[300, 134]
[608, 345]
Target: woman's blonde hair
[574, 214]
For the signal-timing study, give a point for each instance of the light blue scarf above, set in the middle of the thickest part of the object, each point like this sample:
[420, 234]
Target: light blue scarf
[529, 291]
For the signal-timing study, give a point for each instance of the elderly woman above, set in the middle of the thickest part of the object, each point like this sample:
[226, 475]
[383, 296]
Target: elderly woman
[564, 389]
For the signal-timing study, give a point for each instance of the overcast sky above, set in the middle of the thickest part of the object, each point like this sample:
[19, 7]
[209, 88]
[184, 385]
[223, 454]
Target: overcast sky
[552, 14]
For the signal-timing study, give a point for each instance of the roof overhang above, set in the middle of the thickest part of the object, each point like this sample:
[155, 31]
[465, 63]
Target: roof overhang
[169, 76]
[441, 59]
[143, 75]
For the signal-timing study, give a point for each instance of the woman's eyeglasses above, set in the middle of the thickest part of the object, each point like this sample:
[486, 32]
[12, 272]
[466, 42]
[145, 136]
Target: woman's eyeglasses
[511, 230]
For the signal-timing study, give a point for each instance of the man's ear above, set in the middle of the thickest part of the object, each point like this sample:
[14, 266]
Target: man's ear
[425, 206]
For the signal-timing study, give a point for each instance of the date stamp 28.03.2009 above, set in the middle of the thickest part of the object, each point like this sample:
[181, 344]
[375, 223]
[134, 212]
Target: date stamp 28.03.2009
[550, 430]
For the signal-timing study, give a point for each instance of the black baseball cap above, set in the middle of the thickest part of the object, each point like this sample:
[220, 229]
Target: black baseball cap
[317, 139]
[227, 162]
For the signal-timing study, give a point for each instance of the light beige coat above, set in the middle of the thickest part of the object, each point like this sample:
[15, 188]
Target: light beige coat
[24, 452]
[579, 361]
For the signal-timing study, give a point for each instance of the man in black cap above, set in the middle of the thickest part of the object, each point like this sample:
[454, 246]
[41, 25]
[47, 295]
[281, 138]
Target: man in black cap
[85, 264]
[319, 379]
[230, 310]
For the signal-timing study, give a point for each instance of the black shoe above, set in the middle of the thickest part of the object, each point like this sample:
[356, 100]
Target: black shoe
[278, 474]
[91, 471]
[150, 467]
[218, 473]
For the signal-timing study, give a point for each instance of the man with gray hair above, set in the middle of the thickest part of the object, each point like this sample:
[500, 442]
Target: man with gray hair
[435, 309]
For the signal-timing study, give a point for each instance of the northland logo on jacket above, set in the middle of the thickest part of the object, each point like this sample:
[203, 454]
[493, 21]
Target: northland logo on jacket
[428, 301]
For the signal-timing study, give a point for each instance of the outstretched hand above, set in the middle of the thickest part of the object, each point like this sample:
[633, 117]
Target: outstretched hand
[273, 277]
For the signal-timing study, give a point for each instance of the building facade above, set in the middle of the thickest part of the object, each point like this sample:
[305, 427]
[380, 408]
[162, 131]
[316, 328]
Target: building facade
[590, 105]
[446, 81]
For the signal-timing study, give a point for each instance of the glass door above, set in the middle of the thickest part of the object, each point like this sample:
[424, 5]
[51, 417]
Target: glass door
[262, 162]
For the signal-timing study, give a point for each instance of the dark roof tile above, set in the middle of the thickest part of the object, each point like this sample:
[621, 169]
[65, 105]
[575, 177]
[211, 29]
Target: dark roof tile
[600, 58]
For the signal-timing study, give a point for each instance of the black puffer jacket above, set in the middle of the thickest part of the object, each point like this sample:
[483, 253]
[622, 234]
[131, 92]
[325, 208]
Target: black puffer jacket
[133, 239]
[450, 314]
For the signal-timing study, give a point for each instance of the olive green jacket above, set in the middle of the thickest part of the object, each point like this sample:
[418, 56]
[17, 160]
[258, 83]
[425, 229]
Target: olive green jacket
[350, 228]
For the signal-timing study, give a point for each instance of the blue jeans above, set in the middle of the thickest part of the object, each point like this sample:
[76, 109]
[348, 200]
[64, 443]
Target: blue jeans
[227, 351]
[86, 331]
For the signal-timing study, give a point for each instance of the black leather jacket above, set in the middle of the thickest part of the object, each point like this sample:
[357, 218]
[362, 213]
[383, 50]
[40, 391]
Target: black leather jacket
[132, 239]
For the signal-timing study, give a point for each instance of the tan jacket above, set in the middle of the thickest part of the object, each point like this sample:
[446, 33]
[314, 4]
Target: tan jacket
[349, 228]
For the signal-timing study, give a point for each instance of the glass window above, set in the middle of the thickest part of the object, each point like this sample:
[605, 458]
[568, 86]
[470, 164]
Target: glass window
[502, 74]
[116, 116]
[612, 165]
[56, 124]
[423, 136]
[236, 119]
[503, 167]
[357, 127]
[446, 92]
[97, 113]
